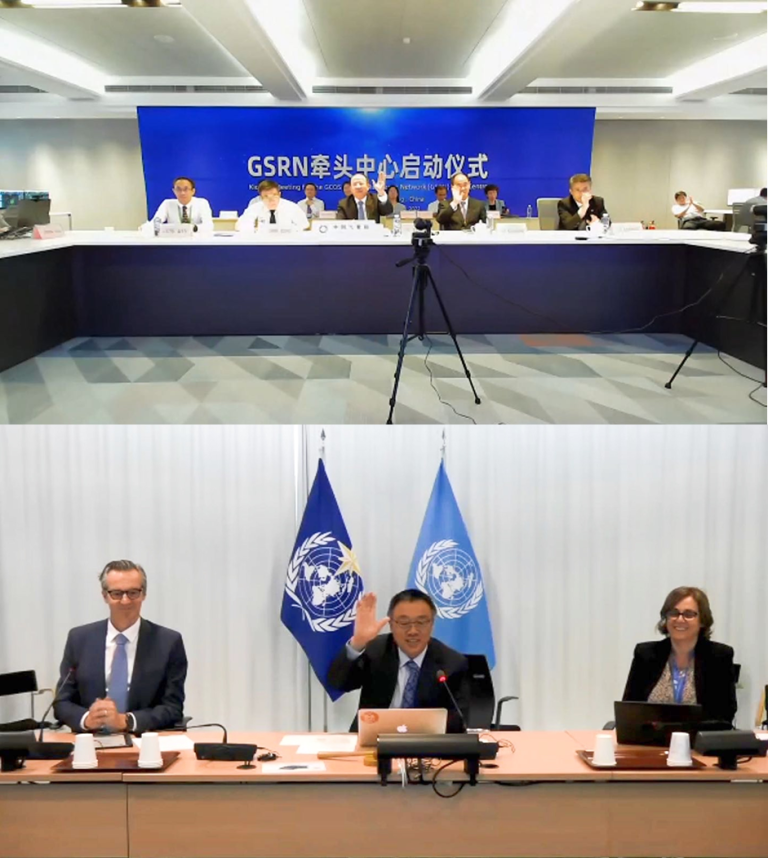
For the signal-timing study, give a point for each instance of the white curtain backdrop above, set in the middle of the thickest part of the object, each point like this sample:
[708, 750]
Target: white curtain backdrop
[580, 533]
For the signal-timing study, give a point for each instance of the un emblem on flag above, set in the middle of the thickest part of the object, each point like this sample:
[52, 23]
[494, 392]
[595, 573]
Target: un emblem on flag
[449, 575]
[324, 582]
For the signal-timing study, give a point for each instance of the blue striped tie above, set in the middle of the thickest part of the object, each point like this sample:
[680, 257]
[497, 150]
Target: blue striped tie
[409, 692]
[361, 210]
[118, 680]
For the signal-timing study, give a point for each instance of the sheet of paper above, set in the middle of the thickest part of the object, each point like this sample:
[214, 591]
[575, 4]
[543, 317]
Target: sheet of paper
[329, 744]
[170, 743]
[293, 740]
[760, 735]
[291, 768]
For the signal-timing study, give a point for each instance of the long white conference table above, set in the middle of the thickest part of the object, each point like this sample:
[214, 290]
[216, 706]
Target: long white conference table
[538, 799]
[123, 284]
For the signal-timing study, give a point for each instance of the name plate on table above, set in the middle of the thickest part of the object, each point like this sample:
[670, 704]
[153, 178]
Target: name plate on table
[47, 230]
[507, 226]
[351, 229]
[176, 230]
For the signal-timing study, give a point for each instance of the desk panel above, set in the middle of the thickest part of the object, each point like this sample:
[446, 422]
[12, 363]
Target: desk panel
[46, 820]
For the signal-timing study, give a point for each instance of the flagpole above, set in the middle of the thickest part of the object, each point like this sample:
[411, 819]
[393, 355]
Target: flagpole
[325, 693]
[442, 448]
[304, 470]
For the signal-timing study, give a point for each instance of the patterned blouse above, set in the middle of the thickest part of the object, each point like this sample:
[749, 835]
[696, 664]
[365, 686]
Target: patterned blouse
[664, 690]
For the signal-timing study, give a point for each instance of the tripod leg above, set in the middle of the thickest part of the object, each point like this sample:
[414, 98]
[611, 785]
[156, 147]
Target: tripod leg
[415, 289]
[715, 312]
[448, 324]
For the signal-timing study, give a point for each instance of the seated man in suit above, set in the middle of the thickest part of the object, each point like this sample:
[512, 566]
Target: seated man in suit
[269, 209]
[580, 208]
[399, 670]
[441, 192]
[463, 211]
[124, 674]
[186, 208]
[360, 205]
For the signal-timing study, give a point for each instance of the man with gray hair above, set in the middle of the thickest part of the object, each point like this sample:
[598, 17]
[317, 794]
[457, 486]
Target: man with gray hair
[124, 674]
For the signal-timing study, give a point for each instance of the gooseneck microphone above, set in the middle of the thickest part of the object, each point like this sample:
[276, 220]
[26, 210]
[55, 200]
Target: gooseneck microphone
[443, 679]
[54, 701]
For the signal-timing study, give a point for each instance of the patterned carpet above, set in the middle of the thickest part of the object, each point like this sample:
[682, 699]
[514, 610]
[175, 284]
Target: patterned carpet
[520, 379]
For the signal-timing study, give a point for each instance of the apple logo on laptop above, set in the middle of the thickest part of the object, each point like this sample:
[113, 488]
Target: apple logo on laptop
[402, 729]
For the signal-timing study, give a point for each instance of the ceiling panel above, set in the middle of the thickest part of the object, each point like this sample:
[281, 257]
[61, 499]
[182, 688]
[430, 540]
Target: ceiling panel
[652, 44]
[364, 38]
[121, 41]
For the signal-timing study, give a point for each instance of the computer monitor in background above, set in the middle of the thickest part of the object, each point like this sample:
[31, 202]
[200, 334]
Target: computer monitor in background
[33, 213]
[740, 195]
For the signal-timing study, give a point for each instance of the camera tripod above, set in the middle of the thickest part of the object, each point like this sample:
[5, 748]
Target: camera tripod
[422, 280]
[755, 264]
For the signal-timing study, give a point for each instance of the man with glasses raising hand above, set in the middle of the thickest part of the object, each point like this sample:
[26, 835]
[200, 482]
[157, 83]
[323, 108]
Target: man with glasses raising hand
[124, 674]
[399, 670]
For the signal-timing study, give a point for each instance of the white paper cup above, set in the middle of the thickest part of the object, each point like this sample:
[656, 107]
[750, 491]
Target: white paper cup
[150, 757]
[85, 752]
[604, 754]
[679, 750]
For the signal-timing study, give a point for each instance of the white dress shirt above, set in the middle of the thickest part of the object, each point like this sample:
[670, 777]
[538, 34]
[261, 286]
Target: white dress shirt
[198, 210]
[315, 205]
[132, 633]
[692, 212]
[402, 673]
[288, 215]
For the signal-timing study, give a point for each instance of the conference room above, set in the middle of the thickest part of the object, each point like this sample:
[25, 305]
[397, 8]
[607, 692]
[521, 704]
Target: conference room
[349, 211]
[550, 553]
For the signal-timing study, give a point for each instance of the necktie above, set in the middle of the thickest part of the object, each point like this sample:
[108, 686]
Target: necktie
[184, 215]
[118, 680]
[272, 218]
[464, 211]
[361, 210]
[309, 210]
[409, 692]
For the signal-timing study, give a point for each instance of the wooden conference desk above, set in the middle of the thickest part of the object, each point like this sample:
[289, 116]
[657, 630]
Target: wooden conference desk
[541, 800]
[122, 284]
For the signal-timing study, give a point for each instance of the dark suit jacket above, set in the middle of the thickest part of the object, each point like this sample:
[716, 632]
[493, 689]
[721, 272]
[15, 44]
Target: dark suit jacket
[375, 673]
[374, 210]
[568, 212]
[450, 219]
[156, 696]
[714, 675]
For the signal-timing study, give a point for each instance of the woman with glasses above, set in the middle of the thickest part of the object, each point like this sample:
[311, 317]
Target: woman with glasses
[686, 666]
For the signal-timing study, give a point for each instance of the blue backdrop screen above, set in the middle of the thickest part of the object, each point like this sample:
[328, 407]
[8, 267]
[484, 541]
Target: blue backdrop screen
[527, 152]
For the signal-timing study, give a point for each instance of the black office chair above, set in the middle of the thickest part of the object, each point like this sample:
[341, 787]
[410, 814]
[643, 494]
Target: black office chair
[482, 698]
[21, 682]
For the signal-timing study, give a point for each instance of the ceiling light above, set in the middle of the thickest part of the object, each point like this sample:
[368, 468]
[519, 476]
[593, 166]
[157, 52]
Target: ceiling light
[72, 4]
[725, 8]
[406, 40]
[163, 39]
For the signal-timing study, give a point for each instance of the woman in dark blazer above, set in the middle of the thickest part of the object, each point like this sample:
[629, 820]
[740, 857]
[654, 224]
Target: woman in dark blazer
[685, 667]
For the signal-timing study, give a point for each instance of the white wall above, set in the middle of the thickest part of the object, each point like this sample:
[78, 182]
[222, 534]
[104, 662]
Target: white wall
[638, 165]
[580, 532]
[93, 166]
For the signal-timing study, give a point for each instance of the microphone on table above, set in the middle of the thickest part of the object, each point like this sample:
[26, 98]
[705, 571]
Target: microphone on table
[443, 679]
[56, 697]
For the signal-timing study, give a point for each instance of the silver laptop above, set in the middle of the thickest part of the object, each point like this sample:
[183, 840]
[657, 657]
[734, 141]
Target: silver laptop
[372, 722]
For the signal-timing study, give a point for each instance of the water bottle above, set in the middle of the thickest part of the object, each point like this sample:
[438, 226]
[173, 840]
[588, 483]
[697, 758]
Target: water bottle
[156, 224]
[529, 212]
[396, 224]
[605, 220]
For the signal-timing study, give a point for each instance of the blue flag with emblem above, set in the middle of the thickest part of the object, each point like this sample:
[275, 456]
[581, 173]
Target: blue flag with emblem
[445, 567]
[323, 582]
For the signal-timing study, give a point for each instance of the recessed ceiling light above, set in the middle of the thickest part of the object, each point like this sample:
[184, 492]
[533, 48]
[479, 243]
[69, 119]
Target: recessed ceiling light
[166, 40]
[406, 40]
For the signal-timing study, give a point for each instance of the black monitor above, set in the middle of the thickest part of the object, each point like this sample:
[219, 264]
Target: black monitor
[643, 723]
[32, 213]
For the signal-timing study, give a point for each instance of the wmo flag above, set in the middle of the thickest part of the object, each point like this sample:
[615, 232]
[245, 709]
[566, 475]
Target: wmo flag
[323, 582]
[444, 566]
